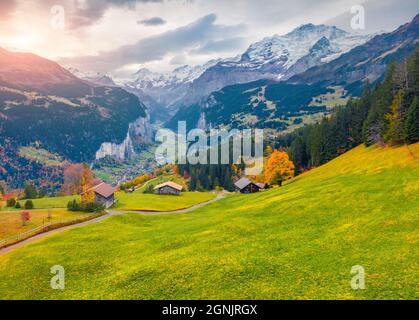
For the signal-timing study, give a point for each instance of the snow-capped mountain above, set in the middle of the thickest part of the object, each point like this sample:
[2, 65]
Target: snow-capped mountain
[284, 51]
[145, 78]
[94, 77]
[276, 58]
[166, 88]
[279, 57]
[367, 61]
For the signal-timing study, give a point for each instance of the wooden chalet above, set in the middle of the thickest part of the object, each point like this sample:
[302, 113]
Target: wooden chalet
[104, 194]
[245, 185]
[169, 187]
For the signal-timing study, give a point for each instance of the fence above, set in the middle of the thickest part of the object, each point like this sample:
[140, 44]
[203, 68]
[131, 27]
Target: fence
[46, 227]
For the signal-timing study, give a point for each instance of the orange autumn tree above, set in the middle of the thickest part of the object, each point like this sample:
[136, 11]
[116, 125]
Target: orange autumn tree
[88, 196]
[78, 179]
[278, 168]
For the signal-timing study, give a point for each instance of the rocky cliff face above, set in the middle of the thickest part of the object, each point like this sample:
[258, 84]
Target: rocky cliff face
[139, 132]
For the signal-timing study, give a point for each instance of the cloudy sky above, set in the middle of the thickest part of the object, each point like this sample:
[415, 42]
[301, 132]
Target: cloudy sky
[120, 36]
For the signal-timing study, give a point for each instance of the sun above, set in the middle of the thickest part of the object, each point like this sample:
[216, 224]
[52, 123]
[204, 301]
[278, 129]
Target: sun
[23, 42]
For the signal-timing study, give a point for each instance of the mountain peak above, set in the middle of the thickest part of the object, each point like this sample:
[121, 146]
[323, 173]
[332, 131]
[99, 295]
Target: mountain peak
[28, 71]
[310, 28]
[304, 27]
[323, 42]
[142, 72]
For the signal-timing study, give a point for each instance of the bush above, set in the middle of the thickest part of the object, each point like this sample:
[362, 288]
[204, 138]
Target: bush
[17, 205]
[11, 202]
[92, 207]
[149, 189]
[73, 206]
[29, 204]
[85, 207]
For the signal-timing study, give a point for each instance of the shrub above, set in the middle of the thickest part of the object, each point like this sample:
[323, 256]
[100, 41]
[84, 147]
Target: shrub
[17, 205]
[11, 202]
[92, 207]
[73, 206]
[85, 207]
[29, 204]
[149, 189]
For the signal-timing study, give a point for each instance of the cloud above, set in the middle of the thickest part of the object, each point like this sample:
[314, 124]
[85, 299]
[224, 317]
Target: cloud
[178, 60]
[223, 45]
[155, 21]
[380, 15]
[88, 12]
[153, 48]
[6, 8]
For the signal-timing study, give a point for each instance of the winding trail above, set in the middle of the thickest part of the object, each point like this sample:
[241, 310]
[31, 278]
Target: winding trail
[109, 213]
[192, 208]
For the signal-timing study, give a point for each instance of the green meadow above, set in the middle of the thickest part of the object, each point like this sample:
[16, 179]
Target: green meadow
[152, 202]
[299, 241]
[45, 203]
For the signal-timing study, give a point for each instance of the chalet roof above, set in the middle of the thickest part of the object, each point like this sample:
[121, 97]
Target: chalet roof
[169, 184]
[244, 182]
[103, 189]
[261, 185]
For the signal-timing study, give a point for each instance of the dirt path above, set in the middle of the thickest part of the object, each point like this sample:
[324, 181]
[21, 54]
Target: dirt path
[199, 205]
[106, 216]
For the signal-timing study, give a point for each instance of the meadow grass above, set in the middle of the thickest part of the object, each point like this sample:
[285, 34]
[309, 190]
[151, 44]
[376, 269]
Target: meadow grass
[153, 202]
[164, 178]
[299, 241]
[44, 203]
[57, 202]
[11, 223]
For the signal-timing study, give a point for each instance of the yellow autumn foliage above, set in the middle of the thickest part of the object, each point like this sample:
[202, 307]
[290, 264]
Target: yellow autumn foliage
[278, 168]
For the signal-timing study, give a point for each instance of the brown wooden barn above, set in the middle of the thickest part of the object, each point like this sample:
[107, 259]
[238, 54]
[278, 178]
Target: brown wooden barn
[104, 194]
[169, 187]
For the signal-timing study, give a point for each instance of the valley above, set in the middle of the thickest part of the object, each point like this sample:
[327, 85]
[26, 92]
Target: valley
[294, 242]
[309, 191]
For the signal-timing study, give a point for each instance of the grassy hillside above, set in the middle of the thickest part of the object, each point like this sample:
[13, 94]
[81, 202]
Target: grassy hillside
[298, 241]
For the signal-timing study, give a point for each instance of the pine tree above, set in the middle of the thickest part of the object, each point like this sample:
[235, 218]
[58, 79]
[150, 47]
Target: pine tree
[298, 153]
[30, 191]
[394, 133]
[375, 125]
[411, 129]
[192, 183]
